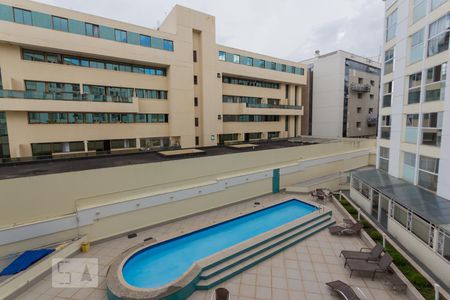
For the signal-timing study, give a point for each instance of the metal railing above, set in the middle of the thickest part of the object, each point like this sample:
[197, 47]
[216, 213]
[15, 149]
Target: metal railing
[360, 88]
[64, 96]
[280, 106]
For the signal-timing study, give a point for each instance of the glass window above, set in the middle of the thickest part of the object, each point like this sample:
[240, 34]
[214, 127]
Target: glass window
[400, 214]
[249, 61]
[428, 172]
[436, 3]
[385, 127]
[144, 40]
[438, 36]
[389, 61]
[92, 30]
[417, 44]
[236, 58]
[414, 88]
[387, 90]
[432, 129]
[75, 118]
[61, 24]
[168, 45]
[120, 35]
[222, 55]
[33, 55]
[384, 159]
[409, 166]
[419, 10]
[435, 85]
[391, 25]
[22, 16]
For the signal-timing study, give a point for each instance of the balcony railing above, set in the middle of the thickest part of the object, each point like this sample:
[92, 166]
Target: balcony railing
[279, 106]
[360, 88]
[372, 120]
[64, 96]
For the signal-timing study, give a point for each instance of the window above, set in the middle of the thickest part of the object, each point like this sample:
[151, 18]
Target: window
[151, 94]
[419, 10]
[251, 118]
[358, 124]
[391, 25]
[197, 141]
[435, 84]
[272, 101]
[417, 44]
[273, 135]
[360, 81]
[236, 58]
[249, 61]
[249, 82]
[196, 101]
[273, 66]
[371, 97]
[387, 90]
[120, 35]
[411, 128]
[22, 16]
[438, 36]
[195, 79]
[92, 30]
[358, 110]
[61, 24]
[194, 56]
[385, 127]
[428, 172]
[222, 55]
[436, 3]
[383, 162]
[414, 88]
[370, 111]
[144, 40]
[389, 61]
[33, 55]
[168, 45]
[409, 166]
[432, 129]
[372, 82]
[283, 68]
[196, 122]
[359, 95]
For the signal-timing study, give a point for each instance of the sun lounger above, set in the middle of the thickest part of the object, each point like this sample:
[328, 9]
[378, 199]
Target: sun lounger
[339, 230]
[343, 289]
[371, 255]
[370, 267]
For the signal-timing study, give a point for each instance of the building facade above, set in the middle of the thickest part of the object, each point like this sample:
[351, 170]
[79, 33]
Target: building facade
[409, 193]
[344, 92]
[76, 83]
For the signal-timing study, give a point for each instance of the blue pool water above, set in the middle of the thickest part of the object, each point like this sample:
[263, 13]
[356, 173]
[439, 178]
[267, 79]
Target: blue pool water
[163, 263]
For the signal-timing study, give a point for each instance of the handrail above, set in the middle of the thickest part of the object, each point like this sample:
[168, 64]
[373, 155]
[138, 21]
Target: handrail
[65, 96]
[281, 106]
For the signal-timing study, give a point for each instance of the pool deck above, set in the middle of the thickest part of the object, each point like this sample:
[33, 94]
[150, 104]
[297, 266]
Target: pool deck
[300, 272]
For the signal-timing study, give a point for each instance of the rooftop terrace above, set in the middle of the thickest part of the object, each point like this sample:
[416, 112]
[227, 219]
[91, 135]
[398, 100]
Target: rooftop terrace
[50, 166]
[300, 272]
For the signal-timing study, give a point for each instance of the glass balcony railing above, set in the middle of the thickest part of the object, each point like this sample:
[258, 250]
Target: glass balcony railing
[279, 106]
[64, 96]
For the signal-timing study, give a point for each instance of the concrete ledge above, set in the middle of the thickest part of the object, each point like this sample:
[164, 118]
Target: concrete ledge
[18, 283]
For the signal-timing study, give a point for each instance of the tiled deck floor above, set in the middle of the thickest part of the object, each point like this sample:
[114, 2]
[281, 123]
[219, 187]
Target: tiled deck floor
[299, 272]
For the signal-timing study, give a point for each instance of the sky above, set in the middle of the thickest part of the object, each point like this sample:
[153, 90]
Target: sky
[288, 29]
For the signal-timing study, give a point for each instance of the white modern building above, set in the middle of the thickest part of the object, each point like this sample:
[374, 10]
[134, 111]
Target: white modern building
[343, 95]
[409, 193]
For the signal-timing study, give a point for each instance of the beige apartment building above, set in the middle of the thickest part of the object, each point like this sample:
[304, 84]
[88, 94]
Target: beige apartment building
[343, 95]
[75, 83]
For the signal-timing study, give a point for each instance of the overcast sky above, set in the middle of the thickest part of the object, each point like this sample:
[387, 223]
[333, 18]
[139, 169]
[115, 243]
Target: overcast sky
[290, 29]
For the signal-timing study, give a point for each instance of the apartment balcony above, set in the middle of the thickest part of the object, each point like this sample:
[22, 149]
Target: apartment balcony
[12, 100]
[262, 109]
[372, 120]
[360, 88]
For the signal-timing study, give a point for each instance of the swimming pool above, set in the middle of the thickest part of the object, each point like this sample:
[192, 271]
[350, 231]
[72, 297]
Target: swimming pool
[158, 265]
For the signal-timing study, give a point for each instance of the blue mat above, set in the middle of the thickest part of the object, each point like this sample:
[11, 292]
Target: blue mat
[25, 260]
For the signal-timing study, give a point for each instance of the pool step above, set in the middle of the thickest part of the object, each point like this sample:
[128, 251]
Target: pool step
[266, 245]
[233, 266]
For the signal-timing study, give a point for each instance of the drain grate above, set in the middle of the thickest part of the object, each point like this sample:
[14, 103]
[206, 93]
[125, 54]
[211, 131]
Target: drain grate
[148, 239]
[132, 235]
